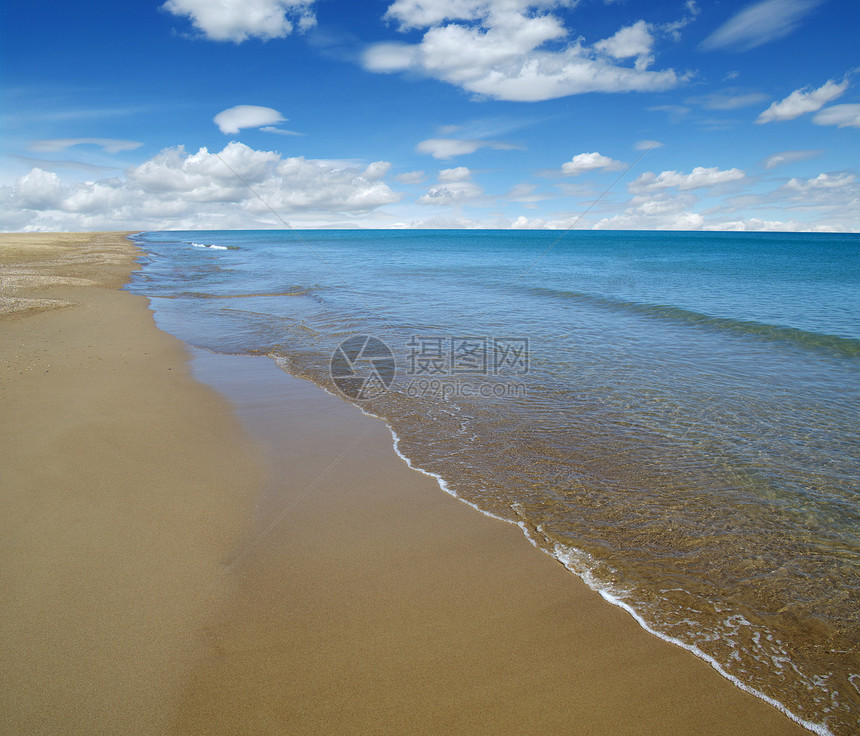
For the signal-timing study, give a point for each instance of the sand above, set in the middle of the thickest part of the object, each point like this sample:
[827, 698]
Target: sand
[174, 562]
[125, 487]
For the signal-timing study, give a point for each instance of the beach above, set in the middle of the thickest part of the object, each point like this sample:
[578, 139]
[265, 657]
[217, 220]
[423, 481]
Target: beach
[258, 559]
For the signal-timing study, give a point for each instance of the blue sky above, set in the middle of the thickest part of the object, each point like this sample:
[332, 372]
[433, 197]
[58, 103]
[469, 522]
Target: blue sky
[620, 114]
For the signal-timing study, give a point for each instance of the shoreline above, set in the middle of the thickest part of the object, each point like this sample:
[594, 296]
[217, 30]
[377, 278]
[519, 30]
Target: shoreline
[572, 568]
[361, 599]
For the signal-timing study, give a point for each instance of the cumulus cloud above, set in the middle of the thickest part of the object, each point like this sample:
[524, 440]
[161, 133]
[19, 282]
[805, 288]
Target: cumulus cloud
[460, 173]
[802, 101]
[455, 187]
[788, 157]
[833, 197]
[584, 162]
[39, 189]
[178, 190]
[661, 211]
[233, 119]
[759, 24]
[843, 116]
[698, 178]
[633, 41]
[539, 223]
[528, 223]
[239, 20]
[820, 182]
[502, 50]
[109, 145]
[755, 224]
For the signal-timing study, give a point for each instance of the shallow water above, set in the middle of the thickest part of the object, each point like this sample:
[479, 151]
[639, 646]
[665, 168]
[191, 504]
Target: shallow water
[672, 415]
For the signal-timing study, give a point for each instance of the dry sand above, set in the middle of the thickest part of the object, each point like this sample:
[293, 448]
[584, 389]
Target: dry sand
[125, 486]
[154, 582]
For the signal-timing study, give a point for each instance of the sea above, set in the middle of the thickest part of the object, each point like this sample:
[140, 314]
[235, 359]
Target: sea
[673, 416]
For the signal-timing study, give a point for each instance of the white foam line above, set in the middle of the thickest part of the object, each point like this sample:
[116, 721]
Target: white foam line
[816, 728]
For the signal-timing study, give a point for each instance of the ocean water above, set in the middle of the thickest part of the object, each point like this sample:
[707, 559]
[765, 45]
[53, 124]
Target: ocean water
[673, 416]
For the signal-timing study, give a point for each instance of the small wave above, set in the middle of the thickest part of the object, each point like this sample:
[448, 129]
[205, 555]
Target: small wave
[579, 564]
[212, 246]
[845, 346]
[298, 291]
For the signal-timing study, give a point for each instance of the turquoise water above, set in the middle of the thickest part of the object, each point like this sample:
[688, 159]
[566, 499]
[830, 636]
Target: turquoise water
[674, 416]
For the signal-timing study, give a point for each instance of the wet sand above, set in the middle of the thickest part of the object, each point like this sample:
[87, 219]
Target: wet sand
[173, 566]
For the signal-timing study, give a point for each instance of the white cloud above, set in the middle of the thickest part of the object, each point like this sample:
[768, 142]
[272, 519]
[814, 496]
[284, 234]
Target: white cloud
[177, 190]
[451, 194]
[442, 222]
[233, 119]
[413, 14]
[674, 29]
[646, 145]
[390, 56]
[826, 202]
[696, 179]
[788, 157]
[800, 102]
[822, 181]
[53, 165]
[445, 148]
[834, 197]
[656, 212]
[39, 189]
[583, 162]
[498, 49]
[526, 223]
[377, 170]
[410, 177]
[759, 24]
[843, 116]
[632, 41]
[755, 224]
[239, 20]
[526, 194]
[460, 173]
[455, 187]
[279, 131]
[727, 100]
[109, 145]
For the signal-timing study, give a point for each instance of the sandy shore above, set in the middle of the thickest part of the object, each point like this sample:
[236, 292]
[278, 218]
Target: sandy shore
[125, 488]
[172, 566]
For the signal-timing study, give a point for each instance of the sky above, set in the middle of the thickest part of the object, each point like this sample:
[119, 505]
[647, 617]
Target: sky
[606, 114]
